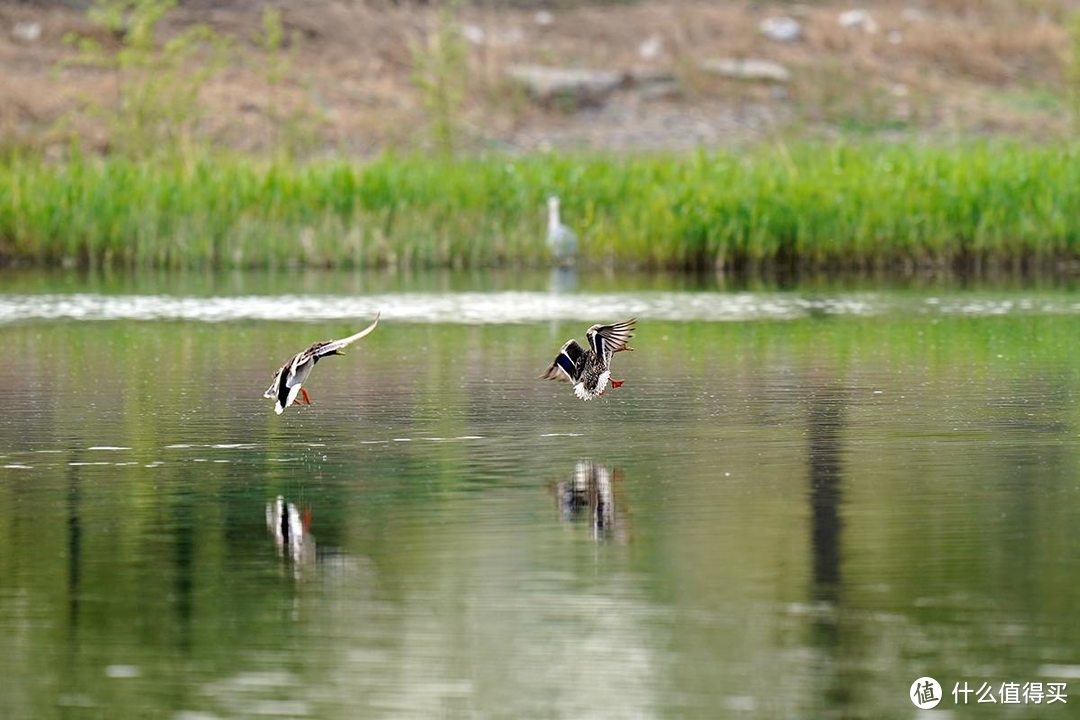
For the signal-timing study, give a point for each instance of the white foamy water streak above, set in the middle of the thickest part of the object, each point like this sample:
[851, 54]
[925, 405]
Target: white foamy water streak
[503, 307]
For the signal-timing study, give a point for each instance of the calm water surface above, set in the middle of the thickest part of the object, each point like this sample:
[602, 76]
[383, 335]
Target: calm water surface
[800, 501]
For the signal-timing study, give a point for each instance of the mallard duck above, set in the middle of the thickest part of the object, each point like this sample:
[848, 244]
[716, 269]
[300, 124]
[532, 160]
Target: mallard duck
[589, 370]
[561, 240]
[286, 387]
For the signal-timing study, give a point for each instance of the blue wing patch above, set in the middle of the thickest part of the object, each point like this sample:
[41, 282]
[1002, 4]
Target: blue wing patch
[567, 365]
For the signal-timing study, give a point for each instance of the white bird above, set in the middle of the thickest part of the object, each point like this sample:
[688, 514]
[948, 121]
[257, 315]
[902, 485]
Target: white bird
[287, 381]
[561, 240]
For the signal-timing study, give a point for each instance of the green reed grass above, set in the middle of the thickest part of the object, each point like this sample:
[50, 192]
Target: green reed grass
[812, 206]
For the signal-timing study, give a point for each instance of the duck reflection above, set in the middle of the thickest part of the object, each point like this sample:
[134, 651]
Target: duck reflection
[291, 531]
[590, 496]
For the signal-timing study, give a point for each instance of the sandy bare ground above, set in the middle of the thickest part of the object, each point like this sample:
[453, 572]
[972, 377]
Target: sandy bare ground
[929, 69]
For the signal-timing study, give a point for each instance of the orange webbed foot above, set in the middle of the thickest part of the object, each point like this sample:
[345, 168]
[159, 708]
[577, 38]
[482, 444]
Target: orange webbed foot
[617, 383]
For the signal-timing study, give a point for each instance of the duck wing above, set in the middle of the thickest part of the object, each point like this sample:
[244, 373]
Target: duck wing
[271, 392]
[568, 363]
[298, 369]
[332, 347]
[608, 339]
[302, 364]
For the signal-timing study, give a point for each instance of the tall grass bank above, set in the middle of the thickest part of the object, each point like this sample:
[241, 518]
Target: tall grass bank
[811, 206]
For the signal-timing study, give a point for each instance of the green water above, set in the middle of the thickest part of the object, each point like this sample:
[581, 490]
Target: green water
[780, 517]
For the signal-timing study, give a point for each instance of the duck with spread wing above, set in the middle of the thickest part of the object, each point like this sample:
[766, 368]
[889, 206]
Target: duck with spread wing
[287, 384]
[589, 370]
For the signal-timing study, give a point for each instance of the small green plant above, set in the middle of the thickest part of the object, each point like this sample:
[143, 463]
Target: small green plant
[441, 75]
[277, 64]
[157, 82]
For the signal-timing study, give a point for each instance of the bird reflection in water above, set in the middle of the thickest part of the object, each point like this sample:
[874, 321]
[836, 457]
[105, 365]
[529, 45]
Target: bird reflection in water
[562, 280]
[291, 531]
[590, 496]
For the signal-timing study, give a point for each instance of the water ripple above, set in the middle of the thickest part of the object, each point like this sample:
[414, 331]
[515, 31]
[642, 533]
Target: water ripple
[467, 308]
[512, 307]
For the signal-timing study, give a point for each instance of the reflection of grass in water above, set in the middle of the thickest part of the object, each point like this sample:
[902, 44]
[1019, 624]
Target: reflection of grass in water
[859, 206]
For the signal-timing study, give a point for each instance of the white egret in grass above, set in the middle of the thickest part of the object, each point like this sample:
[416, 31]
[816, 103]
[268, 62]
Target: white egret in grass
[561, 240]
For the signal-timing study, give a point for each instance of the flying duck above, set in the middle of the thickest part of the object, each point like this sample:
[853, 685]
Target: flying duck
[287, 381]
[589, 370]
